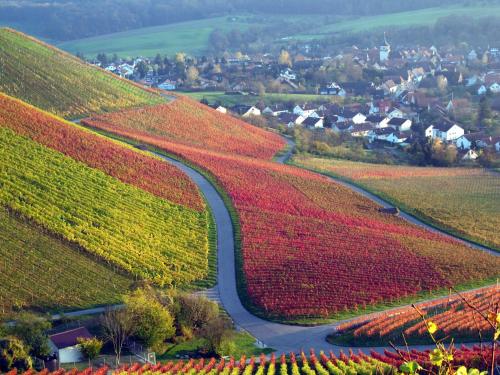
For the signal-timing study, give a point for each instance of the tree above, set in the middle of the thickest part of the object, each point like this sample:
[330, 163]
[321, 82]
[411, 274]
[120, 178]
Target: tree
[118, 326]
[31, 330]
[484, 111]
[13, 355]
[180, 58]
[192, 74]
[142, 68]
[90, 348]
[442, 83]
[216, 332]
[284, 58]
[102, 58]
[153, 322]
[195, 311]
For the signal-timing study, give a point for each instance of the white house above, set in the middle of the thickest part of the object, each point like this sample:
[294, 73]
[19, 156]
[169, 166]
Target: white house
[288, 75]
[444, 132]
[359, 118]
[464, 142]
[65, 344]
[396, 138]
[497, 146]
[246, 110]
[470, 155]
[361, 130]
[219, 108]
[396, 113]
[274, 110]
[400, 124]
[495, 88]
[167, 85]
[313, 122]
[378, 121]
[305, 110]
[482, 90]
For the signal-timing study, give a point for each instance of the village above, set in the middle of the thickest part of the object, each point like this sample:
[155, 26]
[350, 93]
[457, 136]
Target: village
[384, 96]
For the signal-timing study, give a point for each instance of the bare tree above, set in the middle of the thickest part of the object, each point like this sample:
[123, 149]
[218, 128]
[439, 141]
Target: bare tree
[118, 326]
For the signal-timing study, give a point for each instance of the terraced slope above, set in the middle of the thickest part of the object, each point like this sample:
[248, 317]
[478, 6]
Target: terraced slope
[40, 272]
[135, 212]
[309, 247]
[461, 200]
[60, 83]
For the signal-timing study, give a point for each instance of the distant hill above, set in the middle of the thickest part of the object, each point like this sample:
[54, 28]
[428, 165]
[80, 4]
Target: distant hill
[60, 83]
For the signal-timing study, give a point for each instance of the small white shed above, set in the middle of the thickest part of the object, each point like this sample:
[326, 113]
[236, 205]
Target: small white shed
[65, 344]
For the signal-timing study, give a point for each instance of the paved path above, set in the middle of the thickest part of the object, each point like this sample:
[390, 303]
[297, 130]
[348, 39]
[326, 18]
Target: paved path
[283, 338]
[385, 204]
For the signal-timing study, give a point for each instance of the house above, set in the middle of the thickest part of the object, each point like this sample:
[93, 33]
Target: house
[219, 108]
[246, 110]
[466, 141]
[290, 119]
[289, 75]
[274, 110]
[482, 90]
[167, 85]
[354, 116]
[387, 135]
[497, 146]
[65, 344]
[361, 130]
[332, 89]
[396, 112]
[470, 155]
[378, 121]
[313, 122]
[495, 88]
[445, 132]
[400, 124]
[342, 127]
[306, 110]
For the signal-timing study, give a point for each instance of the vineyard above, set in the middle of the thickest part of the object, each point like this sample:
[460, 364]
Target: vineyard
[190, 123]
[60, 83]
[425, 192]
[128, 165]
[309, 247]
[351, 363]
[130, 228]
[30, 257]
[453, 316]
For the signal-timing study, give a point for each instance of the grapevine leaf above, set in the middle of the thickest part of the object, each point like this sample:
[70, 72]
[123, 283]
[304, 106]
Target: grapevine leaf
[432, 327]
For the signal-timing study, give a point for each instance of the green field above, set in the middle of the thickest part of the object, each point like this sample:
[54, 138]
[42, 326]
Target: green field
[60, 83]
[268, 98]
[190, 37]
[30, 257]
[419, 17]
[135, 231]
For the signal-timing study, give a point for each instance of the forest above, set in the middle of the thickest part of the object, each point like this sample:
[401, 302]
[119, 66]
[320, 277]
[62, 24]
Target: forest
[63, 20]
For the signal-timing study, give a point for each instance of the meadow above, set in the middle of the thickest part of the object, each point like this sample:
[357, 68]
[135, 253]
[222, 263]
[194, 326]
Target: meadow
[60, 83]
[31, 256]
[191, 37]
[420, 17]
[268, 98]
[306, 243]
[463, 201]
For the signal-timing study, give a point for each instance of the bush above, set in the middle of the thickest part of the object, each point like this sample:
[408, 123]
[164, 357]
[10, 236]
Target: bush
[13, 355]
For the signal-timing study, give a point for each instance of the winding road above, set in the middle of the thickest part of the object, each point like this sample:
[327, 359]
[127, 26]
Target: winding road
[284, 338]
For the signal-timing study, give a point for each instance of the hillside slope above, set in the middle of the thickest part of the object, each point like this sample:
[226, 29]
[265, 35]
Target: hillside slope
[60, 83]
[137, 214]
[426, 191]
[309, 247]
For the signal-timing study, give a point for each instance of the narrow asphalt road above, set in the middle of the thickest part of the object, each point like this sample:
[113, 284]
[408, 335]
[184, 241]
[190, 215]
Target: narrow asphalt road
[284, 338]
[383, 203]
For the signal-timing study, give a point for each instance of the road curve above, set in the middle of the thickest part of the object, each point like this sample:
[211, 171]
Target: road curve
[385, 204]
[284, 338]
